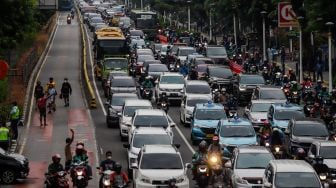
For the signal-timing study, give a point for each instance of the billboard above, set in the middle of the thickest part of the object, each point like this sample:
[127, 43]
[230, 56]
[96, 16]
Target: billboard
[286, 15]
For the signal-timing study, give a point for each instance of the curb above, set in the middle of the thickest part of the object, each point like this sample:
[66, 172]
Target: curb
[30, 86]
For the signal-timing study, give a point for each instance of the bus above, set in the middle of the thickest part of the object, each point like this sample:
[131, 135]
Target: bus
[65, 5]
[146, 21]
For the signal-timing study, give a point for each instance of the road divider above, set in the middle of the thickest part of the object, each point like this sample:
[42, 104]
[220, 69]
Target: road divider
[91, 97]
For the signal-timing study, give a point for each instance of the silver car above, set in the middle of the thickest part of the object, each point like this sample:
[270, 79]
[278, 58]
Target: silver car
[123, 84]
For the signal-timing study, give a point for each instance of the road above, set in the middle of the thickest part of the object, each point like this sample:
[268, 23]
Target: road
[62, 60]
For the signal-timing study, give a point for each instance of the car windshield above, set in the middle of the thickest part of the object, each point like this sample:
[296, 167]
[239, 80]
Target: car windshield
[328, 152]
[164, 48]
[216, 51]
[161, 161]
[253, 160]
[150, 121]
[237, 131]
[142, 58]
[116, 64]
[129, 110]
[288, 114]
[140, 140]
[201, 68]
[210, 114]
[172, 80]
[272, 94]
[198, 89]
[260, 107]
[138, 43]
[203, 61]
[310, 129]
[296, 179]
[252, 79]
[120, 100]
[136, 33]
[193, 102]
[123, 83]
[157, 68]
[220, 73]
[186, 52]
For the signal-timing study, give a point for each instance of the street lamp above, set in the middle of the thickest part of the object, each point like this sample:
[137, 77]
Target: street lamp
[210, 22]
[263, 13]
[188, 2]
[300, 18]
[329, 24]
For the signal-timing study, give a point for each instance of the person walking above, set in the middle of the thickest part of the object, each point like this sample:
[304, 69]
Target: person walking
[4, 136]
[38, 91]
[51, 100]
[67, 150]
[42, 106]
[66, 91]
[14, 119]
[319, 70]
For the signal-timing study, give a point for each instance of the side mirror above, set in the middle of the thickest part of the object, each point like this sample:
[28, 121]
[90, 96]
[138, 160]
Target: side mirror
[228, 164]
[127, 146]
[177, 146]
[172, 124]
[134, 166]
[247, 110]
[267, 184]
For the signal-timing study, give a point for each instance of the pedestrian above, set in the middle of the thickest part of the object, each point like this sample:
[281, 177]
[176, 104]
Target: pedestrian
[4, 136]
[67, 150]
[51, 83]
[51, 100]
[38, 91]
[42, 106]
[319, 70]
[14, 119]
[66, 91]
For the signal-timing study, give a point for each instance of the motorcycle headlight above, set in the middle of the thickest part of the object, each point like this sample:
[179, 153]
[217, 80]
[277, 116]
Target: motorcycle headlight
[213, 159]
[107, 182]
[267, 144]
[277, 149]
[294, 92]
[242, 88]
[323, 177]
[79, 173]
[177, 66]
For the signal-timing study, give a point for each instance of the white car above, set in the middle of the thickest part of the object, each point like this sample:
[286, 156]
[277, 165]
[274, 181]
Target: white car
[145, 136]
[197, 87]
[151, 118]
[157, 164]
[187, 106]
[170, 83]
[256, 111]
[128, 110]
[183, 52]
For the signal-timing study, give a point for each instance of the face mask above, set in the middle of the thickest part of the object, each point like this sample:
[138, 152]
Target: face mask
[109, 157]
[65, 81]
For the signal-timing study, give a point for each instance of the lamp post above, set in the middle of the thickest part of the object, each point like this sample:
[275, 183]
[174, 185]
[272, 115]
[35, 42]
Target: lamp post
[210, 25]
[188, 2]
[329, 24]
[263, 13]
[300, 18]
[141, 4]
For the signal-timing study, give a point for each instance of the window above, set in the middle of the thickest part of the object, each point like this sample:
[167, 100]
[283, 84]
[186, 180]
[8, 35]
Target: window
[161, 161]
[252, 79]
[296, 179]
[198, 89]
[150, 139]
[237, 131]
[328, 152]
[260, 107]
[253, 160]
[208, 114]
[310, 129]
[123, 82]
[150, 121]
[129, 110]
[172, 80]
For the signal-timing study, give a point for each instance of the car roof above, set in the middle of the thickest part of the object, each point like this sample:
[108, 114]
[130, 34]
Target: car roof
[159, 149]
[186, 47]
[152, 112]
[252, 149]
[287, 165]
[239, 121]
[196, 82]
[325, 143]
[203, 59]
[267, 87]
[125, 95]
[137, 102]
[209, 106]
[287, 106]
[263, 101]
[151, 130]
[121, 77]
[171, 74]
[198, 96]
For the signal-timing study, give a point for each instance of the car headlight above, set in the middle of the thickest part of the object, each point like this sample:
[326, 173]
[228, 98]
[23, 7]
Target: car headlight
[323, 177]
[179, 179]
[240, 180]
[145, 180]
[242, 88]
[181, 91]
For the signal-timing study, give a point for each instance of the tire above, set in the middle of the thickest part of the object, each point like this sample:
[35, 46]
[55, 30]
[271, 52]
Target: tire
[8, 176]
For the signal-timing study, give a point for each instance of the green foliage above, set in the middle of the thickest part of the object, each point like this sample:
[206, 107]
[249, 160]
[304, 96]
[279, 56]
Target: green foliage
[3, 89]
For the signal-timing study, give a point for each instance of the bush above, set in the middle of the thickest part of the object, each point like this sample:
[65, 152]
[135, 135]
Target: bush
[3, 89]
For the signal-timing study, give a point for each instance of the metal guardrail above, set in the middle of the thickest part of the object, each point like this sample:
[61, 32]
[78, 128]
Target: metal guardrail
[92, 98]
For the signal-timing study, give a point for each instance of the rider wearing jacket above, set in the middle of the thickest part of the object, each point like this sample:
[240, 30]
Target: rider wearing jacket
[147, 83]
[214, 147]
[276, 137]
[81, 156]
[199, 156]
[118, 177]
[53, 168]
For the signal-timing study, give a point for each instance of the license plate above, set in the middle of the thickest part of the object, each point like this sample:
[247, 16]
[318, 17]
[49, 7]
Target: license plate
[209, 135]
[173, 94]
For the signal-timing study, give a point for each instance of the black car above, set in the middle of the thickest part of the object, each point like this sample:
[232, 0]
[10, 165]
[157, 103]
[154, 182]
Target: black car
[114, 107]
[245, 84]
[216, 53]
[219, 77]
[12, 166]
[301, 133]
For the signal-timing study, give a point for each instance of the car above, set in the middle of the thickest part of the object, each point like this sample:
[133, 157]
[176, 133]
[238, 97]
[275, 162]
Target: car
[155, 70]
[123, 84]
[89, 15]
[187, 106]
[327, 150]
[170, 83]
[13, 166]
[114, 107]
[220, 77]
[200, 60]
[191, 57]
[99, 26]
[183, 52]
[156, 47]
[144, 51]
[163, 52]
[136, 34]
[145, 136]
[92, 22]
[201, 71]
[150, 118]
[256, 111]
[278, 115]
[124, 22]
[110, 76]
[275, 94]
[128, 109]
[157, 164]
[137, 43]
[301, 133]
[204, 121]
[110, 64]
[175, 46]
[197, 87]
[140, 61]
[234, 132]
[244, 86]
[291, 174]
[217, 53]
[247, 166]
[147, 62]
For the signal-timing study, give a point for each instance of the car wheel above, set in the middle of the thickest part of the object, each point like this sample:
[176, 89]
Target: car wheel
[8, 176]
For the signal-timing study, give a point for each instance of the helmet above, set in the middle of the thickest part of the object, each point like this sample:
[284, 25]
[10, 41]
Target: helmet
[319, 159]
[117, 167]
[319, 81]
[285, 76]
[56, 158]
[333, 92]
[203, 145]
[215, 139]
[290, 70]
[300, 153]
[147, 77]
[223, 90]
[38, 82]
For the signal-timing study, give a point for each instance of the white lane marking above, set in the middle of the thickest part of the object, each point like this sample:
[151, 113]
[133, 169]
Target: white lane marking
[94, 80]
[182, 136]
[101, 151]
[32, 98]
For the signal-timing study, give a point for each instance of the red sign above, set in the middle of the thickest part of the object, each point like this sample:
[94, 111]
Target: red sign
[235, 67]
[286, 15]
[4, 68]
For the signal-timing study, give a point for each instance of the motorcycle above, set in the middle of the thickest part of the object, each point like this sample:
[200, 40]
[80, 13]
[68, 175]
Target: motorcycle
[286, 91]
[277, 80]
[119, 182]
[294, 97]
[202, 175]
[277, 151]
[216, 96]
[231, 107]
[79, 174]
[215, 163]
[172, 183]
[106, 183]
[58, 180]
[307, 107]
[69, 20]
[265, 140]
[146, 93]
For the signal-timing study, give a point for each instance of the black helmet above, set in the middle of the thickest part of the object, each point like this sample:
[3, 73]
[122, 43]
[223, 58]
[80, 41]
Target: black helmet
[117, 167]
[56, 158]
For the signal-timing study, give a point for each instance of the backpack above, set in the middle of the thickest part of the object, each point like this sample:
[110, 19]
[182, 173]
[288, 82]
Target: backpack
[41, 103]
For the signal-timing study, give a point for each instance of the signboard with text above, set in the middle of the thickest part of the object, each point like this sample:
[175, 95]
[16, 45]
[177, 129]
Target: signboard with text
[286, 15]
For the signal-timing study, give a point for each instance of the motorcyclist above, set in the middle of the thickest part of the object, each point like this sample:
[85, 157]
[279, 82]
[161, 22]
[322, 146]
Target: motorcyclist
[309, 98]
[147, 83]
[199, 156]
[163, 99]
[300, 154]
[214, 147]
[285, 80]
[223, 96]
[193, 75]
[53, 168]
[294, 87]
[291, 75]
[307, 82]
[184, 70]
[319, 166]
[323, 94]
[231, 104]
[265, 74]
[276, 137]
[107, 164]
[275, 70]
[265, 132]
[81, 156]
[118, 177]
[318, 87]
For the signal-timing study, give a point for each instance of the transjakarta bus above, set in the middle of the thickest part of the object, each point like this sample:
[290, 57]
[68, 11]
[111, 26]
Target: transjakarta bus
[146, 21]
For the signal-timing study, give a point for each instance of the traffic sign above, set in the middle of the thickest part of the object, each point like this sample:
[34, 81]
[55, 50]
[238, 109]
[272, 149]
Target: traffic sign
[286, 15]
[4, 68]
